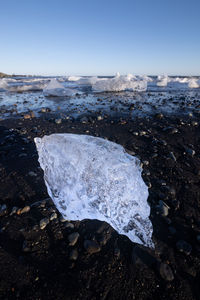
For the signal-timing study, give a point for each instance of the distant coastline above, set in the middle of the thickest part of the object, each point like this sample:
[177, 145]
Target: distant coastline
[3, 75]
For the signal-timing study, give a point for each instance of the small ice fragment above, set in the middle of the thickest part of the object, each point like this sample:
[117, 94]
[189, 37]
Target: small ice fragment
[92, 178]
[3, 84]
[164, 80]
[193, 84]
[73, 78]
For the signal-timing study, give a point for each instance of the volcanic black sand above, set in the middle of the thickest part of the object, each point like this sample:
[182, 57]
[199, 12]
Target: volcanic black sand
[40, 259]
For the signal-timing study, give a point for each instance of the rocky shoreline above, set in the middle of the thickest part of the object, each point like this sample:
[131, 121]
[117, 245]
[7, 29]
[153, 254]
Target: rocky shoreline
[44, 257]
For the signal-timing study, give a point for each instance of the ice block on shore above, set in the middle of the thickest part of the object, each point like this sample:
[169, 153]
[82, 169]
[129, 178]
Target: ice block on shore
[56, 89]
[91, 178]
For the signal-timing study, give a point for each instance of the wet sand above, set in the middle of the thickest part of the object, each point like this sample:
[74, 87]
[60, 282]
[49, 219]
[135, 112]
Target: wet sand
[37, 259]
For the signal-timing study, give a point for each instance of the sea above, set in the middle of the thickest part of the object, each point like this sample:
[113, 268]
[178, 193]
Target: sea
[114, 96]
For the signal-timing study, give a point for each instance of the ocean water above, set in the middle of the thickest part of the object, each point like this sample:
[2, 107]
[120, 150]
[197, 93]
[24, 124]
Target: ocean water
[115, 96]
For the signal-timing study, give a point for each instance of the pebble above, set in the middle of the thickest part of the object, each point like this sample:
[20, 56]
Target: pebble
[117, 252]
[14, 210]
[69, 225]
[91, 246]
[40, 204]
[190, 151]
[53, 216]
[99, 118]
[3, 210]
[172, 156]
[194, 123]
[23, 210]
[166, 272]
[135, 133]
[184, 247]
[163, 208]
[58, 121]
[32, 174]
[142, 133]
[44, 222]
[73, 255]
[159, 116]
[27, 116]
[25, 247]
[73, 238]
[45, 109]
[62, 220]
[84, 120]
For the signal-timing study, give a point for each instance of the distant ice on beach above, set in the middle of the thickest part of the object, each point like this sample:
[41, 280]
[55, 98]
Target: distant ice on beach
[3, 84]
[56, 89]
[120, 83]
[91, 178]
[70, 85]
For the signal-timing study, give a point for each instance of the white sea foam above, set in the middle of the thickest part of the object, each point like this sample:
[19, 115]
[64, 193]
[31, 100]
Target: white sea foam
[92, 178]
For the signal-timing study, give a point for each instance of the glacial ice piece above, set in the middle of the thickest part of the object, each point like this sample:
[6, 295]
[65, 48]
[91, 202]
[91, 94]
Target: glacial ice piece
[92, 178]
[120, 83]
[56, 89]
[3, 84]
[164, 80]
[193, 83]
[73, 78]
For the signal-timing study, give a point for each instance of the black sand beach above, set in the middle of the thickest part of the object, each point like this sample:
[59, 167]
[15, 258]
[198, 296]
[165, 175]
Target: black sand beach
[40, 259]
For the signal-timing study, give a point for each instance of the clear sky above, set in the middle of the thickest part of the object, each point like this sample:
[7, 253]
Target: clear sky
[100, 37]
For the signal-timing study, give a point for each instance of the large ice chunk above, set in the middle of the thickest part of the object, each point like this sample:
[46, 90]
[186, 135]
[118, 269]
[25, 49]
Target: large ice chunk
[92, 178]
[120, 83]
[56, 89]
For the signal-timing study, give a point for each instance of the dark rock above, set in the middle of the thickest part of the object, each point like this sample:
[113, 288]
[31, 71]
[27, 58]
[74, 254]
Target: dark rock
[73, 238]
[73, 255]
[159, 116]
[58, 121]
[172, 156]
[84, 120]
[3, 210]
[166, 272]
[117, 252]
[69, 225]
[162, 208]
[91, 246]
[184, 247]
[44, 222]
[53, 216]
[26, 247]
[190, 151]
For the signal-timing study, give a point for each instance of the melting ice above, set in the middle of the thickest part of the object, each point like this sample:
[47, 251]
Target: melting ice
[65, 86]
[55, 88]
[120, 83]
[92, 178]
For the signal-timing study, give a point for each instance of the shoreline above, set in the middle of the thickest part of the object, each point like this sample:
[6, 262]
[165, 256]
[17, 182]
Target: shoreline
[36, 262]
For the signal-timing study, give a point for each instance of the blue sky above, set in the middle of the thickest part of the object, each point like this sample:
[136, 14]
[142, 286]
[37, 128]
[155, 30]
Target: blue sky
[99, 37]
